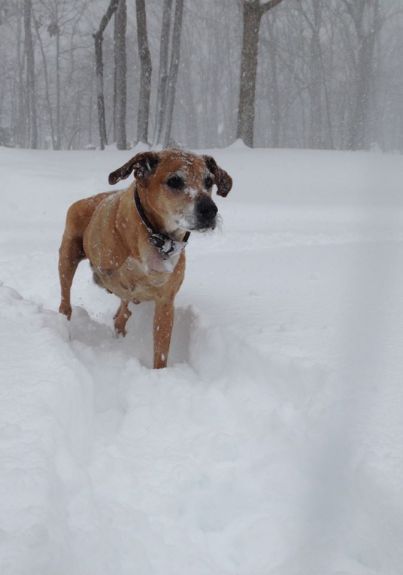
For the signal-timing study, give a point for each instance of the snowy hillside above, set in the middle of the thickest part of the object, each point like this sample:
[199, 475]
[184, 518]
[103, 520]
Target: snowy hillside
[272, 445]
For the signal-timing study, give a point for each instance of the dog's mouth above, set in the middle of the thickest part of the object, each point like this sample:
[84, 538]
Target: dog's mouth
[196, 224]
[202, 218]
[203, 227]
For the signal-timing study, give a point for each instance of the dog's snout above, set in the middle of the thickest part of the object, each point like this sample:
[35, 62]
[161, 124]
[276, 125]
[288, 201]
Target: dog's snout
[206, 211]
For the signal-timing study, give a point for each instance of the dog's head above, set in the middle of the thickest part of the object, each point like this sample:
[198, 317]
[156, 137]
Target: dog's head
[176, 186]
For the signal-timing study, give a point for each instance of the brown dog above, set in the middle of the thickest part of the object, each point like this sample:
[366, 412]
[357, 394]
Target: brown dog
[135, 238]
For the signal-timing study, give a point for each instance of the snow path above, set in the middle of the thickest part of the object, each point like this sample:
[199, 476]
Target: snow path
[272, 443]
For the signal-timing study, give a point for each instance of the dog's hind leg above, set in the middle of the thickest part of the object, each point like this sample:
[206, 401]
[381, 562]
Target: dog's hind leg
[120, 318]
[70, 254]
[71, 251]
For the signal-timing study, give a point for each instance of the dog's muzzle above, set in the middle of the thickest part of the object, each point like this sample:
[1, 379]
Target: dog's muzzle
[205, 212]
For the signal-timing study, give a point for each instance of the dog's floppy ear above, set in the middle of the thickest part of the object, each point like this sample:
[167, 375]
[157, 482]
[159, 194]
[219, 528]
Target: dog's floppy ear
[222, 180]
[142, 165]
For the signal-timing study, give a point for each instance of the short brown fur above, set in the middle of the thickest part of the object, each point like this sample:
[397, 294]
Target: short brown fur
[107, 230]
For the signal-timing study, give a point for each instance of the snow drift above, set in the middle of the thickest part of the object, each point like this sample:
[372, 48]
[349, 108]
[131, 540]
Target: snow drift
[271, 444]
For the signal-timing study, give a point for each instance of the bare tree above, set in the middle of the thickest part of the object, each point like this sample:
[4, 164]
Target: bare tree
[273, 73]
[365, 15]
[20, 107]
[99, 70]
[320, 129]
[47, 85]
[120, 86]
[329, 73]
[163, 70]
[54, 31]
[173, 71]
[253, 11]
[31, 112]
[143, 113]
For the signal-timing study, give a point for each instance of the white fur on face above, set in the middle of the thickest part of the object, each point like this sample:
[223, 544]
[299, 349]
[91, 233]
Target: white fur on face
[186, 219]
[192, 192]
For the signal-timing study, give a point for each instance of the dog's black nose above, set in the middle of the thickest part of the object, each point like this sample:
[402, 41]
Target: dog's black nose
[206, 211]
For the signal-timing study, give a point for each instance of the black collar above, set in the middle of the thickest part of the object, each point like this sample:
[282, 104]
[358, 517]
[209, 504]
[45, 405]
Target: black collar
[164, 244]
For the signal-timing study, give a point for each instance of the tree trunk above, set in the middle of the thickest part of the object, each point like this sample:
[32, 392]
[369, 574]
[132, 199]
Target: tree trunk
[163, 71]
[47, 89]
[21, 119]
[30, 77]
[58, 92]
[99, 71]
[90, 109]
[252, 15]
[145, 73]
[100, 90]
[315, 92]
[365, 17]
[313, 18]
[247, 89]
[120, 92]
[359, 130]
[173, 71]
[274, 91]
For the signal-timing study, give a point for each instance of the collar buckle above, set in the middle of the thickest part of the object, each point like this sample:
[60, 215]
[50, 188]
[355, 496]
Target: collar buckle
[163, 243]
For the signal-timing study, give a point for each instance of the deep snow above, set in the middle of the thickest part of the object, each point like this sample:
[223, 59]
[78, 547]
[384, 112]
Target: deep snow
[272, 445]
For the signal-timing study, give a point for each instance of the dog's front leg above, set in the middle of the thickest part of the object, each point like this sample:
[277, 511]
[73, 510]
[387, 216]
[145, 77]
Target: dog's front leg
[163, 322]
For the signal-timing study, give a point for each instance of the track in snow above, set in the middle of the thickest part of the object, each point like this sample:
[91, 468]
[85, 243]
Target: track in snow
[272, 443]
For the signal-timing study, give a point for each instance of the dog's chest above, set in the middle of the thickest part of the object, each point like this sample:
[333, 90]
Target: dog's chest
[139, 279]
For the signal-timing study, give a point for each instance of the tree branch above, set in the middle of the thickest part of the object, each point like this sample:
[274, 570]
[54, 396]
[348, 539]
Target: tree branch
[106, 17]
[268, 6]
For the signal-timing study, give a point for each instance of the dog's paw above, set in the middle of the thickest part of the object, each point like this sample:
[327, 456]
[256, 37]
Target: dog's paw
[65, 309]
[120, 330]
[120, 319]
[120, 324]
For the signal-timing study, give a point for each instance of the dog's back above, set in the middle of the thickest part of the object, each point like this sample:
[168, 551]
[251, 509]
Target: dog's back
[80, 213]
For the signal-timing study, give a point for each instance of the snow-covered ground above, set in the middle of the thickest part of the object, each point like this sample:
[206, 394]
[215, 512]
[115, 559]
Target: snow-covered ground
[273, 444]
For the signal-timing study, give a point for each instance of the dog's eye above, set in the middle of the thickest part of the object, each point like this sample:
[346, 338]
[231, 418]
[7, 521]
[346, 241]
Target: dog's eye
[175, 182]
[208, 182]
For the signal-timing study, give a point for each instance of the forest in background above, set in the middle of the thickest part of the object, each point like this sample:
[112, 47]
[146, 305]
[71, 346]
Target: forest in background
[323, 74]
